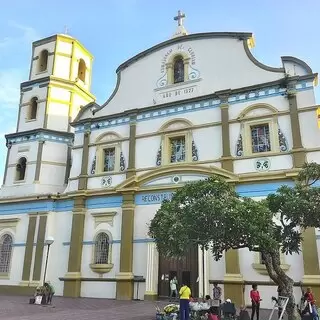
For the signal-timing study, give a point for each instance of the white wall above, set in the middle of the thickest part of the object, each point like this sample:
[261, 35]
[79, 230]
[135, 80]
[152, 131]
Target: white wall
[222, 62]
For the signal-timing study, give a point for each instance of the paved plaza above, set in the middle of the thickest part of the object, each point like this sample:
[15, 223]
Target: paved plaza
[17, 307]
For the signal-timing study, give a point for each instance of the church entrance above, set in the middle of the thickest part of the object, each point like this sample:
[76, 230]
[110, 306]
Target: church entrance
[185, 269]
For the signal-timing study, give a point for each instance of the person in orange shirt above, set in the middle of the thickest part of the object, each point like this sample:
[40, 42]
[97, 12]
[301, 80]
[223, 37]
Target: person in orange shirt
[185, 294]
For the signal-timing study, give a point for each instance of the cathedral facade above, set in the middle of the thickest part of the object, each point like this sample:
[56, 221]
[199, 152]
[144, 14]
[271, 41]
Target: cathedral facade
[92, 176]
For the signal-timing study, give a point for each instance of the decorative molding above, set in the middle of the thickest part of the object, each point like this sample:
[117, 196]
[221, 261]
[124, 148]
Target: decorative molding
[9, 224]
[106, 181]
[195, 156]
[193, 73]
[262, 165]
[282, 141]
[122, 162]
[159, 156]
[250, 95]
[103, 217]
[261, 268]
[239, 147]
[41, 137]
[101, 268]
[93, 165]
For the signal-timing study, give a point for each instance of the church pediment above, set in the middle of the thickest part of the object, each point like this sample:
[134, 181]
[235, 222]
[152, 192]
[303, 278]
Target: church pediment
[174, 175]
[174, 179]
[208, 62]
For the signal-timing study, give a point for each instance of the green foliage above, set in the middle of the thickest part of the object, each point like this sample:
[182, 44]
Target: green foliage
[211, 214]
[309, 174]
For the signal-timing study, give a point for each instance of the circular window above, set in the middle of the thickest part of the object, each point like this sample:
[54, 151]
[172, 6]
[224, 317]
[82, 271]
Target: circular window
[176, 179]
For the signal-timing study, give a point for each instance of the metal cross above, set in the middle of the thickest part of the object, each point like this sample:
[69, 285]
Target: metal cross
[66, 30]
[180, 18]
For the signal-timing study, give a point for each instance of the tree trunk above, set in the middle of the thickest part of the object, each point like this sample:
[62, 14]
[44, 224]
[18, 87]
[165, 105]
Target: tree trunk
[273, 265]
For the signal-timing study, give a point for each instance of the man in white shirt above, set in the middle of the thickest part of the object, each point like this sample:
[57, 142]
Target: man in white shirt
[173, 288]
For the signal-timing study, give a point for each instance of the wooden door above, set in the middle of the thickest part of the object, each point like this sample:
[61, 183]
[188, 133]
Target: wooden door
[185, 269]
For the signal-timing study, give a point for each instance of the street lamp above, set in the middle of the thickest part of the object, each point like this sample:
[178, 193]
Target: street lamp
[48, 242]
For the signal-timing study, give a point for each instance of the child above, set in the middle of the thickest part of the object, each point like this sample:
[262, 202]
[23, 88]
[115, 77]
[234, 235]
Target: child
[213, 314]
[255, 300]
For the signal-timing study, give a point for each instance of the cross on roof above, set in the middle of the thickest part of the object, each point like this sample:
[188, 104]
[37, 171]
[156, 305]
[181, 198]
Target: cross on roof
[180, 18]
[66, 30]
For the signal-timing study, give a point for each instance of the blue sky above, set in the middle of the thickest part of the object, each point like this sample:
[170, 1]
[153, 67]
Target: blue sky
[115, 30]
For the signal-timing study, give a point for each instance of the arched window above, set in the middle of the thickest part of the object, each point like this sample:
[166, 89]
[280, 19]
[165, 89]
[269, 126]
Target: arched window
[82, 70]
[178, 70]
[5, 253]
[101, 249]
[43, 61]
[33, 109]
[21, 169]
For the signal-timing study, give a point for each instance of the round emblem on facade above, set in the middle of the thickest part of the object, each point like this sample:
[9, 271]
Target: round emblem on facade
[106, 181]
[176, 179]
[262, 164]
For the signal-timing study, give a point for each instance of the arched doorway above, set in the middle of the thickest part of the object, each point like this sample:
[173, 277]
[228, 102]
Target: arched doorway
[185, 269]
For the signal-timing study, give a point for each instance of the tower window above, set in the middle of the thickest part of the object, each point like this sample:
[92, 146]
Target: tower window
[82, 70]
[21, 169]
[178, 70]
[43, 61]
[33, 109]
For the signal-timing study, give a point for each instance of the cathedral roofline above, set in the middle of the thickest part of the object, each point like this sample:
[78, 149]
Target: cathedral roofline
[40, 130]
[193, 36]
[54, 37]
[95, 107]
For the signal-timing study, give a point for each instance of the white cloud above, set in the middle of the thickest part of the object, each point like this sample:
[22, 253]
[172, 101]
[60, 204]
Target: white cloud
[10, 80]
[24, 35]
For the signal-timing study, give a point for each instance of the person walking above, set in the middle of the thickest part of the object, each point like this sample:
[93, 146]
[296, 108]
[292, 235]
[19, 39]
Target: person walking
[185, 294]
[173, 288]
[255, 301]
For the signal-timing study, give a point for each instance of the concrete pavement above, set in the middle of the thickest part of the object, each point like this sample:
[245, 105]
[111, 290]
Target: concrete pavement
[17, 307]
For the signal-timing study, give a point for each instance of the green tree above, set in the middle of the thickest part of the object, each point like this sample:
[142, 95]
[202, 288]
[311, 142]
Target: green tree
[209, 213]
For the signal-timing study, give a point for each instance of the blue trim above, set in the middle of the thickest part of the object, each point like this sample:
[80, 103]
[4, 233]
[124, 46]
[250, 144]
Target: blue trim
[261, 189]
[19, 244]
[249, 96]
[36, 206]
[104, 202]
[245, 190]
[41, 137]
[86, 243]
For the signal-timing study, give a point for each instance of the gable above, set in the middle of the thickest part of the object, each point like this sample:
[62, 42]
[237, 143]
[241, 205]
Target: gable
[215, 62]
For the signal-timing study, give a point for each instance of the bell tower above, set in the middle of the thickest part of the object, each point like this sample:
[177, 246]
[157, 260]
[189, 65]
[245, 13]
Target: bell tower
[39, 152]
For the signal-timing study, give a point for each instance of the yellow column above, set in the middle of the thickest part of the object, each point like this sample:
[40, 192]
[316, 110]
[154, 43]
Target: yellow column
[298, 152]
[233, 280]
[226, 159]
[72, 281]
[311, 262]
[125, 276]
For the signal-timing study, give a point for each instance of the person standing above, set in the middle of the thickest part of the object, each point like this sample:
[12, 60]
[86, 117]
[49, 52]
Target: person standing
[173, 288]
[216, 297]
[50, 292]
[255, 301]
[185, 294]
[312, 303]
